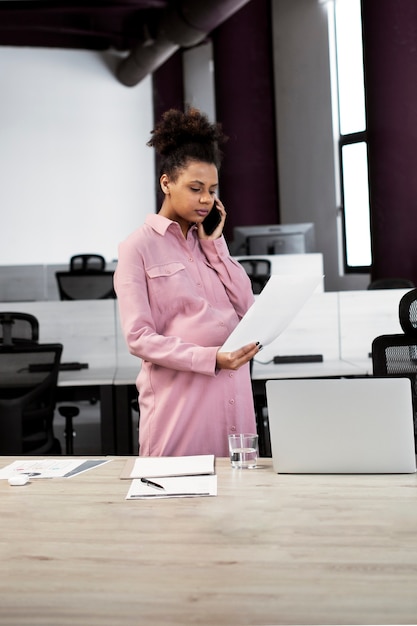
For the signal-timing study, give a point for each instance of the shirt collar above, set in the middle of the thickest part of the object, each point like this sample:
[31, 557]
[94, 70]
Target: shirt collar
[159, 223]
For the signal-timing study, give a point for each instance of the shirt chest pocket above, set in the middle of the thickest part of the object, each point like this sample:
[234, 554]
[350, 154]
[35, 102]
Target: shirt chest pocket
[168, 278]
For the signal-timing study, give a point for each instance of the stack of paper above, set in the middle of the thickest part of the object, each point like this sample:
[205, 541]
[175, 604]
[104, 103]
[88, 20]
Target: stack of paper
[171, 477]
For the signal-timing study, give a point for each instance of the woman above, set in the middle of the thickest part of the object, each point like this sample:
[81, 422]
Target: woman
[180, 295]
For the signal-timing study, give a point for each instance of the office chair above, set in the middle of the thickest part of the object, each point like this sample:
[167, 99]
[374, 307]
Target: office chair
[85, 285]
[17, 328]
[84, 262]
[28, 382]
[259, 272]
[396, 355]
[391, 283]
[407, 311]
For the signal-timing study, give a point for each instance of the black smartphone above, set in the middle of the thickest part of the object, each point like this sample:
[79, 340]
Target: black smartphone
[212, 220]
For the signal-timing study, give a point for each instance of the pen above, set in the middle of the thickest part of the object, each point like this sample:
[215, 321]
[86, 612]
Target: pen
[150, 483]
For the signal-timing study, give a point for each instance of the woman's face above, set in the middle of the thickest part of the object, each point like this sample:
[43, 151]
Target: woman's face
[189, 199]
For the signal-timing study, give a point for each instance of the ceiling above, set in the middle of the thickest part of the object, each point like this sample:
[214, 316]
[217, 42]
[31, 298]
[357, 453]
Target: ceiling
[149, 31]
[93, 25]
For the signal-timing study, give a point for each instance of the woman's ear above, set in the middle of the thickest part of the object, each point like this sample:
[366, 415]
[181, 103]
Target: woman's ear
[164, 182]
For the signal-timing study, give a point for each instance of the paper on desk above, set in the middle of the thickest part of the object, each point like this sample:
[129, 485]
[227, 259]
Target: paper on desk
[175, 487]
[277, 304]
[154, 466]
[50, 468]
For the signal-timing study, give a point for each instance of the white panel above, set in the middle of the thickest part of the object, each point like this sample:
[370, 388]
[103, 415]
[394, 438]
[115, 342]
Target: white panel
[199, 79]
[77, 175]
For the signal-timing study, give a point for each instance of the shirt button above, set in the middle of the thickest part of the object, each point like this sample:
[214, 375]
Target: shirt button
[233, 429]
[191, 259]
[230, 374]
[231, 401]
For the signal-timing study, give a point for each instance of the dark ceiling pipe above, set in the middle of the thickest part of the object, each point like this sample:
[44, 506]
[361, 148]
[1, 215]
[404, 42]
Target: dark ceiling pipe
[183, 26]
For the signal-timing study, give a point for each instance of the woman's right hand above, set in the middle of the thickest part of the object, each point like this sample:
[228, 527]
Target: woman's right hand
[235, 360]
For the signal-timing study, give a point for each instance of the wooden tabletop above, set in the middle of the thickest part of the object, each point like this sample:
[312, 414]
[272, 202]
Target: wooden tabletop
[269, 549]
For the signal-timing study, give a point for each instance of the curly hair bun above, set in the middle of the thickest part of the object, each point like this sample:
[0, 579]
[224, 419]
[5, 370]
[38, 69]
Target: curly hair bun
[177, 129]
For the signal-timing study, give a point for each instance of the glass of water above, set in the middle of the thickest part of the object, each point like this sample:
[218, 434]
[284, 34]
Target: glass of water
[243, 449]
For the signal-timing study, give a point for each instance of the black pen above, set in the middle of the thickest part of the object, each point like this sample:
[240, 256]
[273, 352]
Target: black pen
[150, 483]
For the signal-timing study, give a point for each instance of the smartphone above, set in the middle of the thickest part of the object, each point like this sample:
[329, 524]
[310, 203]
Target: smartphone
[212, 220]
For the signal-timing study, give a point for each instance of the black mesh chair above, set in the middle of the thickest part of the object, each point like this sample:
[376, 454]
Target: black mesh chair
[396, 355]
[85, 285]
[20, 328]
[16, 327]
[259, 272]
[391, 283]
[28, 382]
[85, 262]
[407, 312]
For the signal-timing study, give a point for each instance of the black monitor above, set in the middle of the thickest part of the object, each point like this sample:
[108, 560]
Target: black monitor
[273, 239]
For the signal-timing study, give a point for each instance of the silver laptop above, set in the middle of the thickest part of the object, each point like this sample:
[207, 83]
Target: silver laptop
[341, 426]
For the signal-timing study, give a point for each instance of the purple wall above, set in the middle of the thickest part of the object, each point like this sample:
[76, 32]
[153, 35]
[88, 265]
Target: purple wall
[390, 48]
[245, 107]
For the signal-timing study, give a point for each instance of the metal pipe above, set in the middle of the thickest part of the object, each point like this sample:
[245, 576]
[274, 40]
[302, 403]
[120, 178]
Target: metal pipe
[182, 26]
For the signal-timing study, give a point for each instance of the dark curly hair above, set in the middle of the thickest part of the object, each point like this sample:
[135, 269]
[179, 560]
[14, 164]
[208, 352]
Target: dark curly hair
[182, 137]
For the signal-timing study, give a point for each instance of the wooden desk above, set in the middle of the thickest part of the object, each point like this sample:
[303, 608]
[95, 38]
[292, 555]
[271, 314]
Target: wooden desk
[269, 549]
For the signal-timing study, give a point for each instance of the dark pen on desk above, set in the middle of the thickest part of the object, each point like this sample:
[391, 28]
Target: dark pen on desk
[150, 483]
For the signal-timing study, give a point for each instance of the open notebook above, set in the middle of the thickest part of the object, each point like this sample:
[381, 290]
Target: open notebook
[346, 425]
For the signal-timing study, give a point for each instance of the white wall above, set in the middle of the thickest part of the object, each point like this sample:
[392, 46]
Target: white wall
[307, 174]
[76, 175]
[198, 73]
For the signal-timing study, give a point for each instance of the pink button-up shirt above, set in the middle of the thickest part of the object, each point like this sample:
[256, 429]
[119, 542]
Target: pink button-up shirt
[179, 299]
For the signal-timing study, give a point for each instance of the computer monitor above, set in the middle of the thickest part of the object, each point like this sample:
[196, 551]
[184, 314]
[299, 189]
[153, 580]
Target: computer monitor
[273, 239]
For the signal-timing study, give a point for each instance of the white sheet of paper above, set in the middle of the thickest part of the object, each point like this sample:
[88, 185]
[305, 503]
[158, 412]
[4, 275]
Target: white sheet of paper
[277, 304]
[49, 468]
[153, 466]
[174, 487]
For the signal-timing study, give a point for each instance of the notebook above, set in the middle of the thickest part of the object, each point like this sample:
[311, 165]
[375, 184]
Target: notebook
[341, 426]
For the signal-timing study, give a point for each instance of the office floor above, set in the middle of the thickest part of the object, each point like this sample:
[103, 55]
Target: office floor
[87, 429]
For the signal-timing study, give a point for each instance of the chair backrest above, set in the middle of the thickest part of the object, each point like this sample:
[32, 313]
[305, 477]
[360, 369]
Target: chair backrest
[16, 327]
[407, 311]
[396, 355]
[28, 383]
[391, 283]
[84, 262]
[258, 270]
[88, 285]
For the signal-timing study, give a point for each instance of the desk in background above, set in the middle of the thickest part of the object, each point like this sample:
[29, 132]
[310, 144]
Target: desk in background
[269, 549]
[310, 263]
[30, 283]
[338, 325]
[86, 328]
[365, 315]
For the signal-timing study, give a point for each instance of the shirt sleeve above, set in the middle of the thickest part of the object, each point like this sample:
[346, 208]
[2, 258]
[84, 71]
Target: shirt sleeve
[138, 324]
[231, 273]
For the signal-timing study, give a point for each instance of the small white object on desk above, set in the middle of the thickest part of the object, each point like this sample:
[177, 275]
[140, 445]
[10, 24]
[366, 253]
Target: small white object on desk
[18, 481]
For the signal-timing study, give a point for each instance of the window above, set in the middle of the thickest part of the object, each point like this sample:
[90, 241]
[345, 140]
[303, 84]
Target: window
[345, 36]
